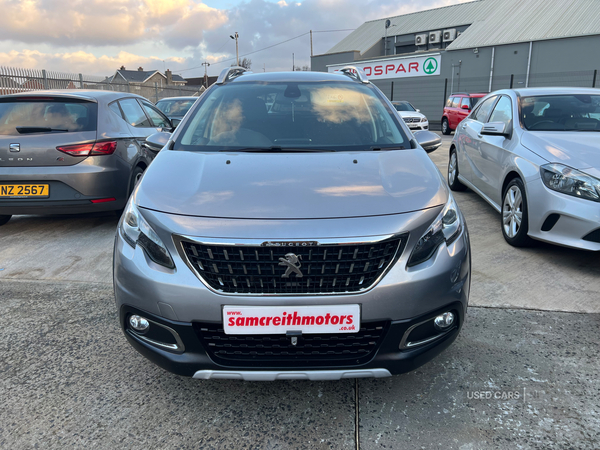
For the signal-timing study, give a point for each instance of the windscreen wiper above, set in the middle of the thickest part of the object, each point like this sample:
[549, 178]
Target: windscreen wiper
[377, 148]
[25, 130]
[581, 129]
[275, 149]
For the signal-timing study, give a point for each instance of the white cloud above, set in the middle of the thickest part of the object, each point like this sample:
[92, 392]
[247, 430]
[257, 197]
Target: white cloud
[84, 62]
[188, 30]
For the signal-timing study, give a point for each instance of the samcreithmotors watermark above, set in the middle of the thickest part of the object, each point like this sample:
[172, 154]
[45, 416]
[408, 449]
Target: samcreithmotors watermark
[523, 394]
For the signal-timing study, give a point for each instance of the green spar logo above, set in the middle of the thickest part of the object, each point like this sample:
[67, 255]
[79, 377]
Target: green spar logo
[430, 66]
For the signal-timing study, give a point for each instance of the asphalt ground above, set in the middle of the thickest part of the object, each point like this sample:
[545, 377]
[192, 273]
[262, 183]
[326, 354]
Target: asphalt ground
[522, 374]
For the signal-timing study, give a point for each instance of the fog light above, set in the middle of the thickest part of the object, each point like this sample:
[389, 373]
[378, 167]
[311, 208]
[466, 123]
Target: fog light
[444, 321]
[139, 323]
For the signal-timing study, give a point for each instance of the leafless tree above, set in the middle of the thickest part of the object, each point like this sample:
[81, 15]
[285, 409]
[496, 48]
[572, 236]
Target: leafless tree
[245, 63]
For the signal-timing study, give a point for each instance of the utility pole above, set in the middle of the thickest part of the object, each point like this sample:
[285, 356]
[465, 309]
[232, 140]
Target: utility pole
[293, 63]
[311, 47]
[237, 53]
[206, 64]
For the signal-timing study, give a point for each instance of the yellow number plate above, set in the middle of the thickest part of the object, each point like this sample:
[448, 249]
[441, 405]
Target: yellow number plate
[24, 190]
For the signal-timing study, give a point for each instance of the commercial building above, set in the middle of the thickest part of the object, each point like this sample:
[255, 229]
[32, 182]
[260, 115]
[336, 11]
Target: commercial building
[478, 46]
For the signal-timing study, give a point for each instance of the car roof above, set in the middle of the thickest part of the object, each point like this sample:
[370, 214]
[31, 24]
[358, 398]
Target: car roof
[466, 94]
[178, 98]
[556, 91]
[84, 94]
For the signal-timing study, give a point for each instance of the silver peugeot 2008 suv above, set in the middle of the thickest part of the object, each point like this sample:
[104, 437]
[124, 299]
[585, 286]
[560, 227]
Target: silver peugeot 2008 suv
[314, 240]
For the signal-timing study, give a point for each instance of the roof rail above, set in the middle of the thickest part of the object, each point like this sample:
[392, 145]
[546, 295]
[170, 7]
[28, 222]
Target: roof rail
[230, 73]
[356, 73]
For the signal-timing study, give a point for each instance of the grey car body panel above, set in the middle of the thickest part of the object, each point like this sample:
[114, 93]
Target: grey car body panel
[557, 146]
[292, 185]
[39, 150]
[524, 153]
[86, 177]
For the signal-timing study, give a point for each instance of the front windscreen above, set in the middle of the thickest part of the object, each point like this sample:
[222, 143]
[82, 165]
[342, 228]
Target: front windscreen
[175, 107]
[334, 116]
[576, 112]
[404, 106]
[46, 115]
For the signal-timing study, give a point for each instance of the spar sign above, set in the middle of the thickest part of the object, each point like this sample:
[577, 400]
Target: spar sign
[404, 67]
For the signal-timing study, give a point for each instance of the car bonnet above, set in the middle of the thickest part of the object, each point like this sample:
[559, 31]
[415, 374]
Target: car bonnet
[291, 185]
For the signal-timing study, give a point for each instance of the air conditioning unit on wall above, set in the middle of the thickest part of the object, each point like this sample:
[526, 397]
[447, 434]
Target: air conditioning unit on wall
[449, 35]
[435, 37]
[421, 39]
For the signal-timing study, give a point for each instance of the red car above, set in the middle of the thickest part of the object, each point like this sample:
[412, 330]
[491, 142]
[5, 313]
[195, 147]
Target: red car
[458, 106]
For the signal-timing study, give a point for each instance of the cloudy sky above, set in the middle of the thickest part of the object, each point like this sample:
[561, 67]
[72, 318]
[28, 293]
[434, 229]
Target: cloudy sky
[95, 37]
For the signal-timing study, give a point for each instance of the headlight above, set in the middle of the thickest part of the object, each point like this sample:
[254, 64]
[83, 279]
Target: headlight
[446, 227]
[424, 119]
[135, 230]
[570, 181]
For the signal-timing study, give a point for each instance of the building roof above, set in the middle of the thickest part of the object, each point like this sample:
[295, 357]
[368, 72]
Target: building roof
[492, 22]
[136, 76]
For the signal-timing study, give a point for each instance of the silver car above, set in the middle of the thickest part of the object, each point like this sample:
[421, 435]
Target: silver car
[78, 151]
[314, 240]
[534, 155]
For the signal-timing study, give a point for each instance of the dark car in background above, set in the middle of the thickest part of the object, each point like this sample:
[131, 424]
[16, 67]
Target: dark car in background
[457, 108]
[73, 151]
[175, 107]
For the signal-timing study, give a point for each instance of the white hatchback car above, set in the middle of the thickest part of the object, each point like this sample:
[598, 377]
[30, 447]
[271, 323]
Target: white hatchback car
[534, 155]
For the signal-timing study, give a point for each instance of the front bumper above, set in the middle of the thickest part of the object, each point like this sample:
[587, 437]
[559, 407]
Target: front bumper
[193, 360]
[404, 297]
[72, 188]
[578, 224]
[417, 126]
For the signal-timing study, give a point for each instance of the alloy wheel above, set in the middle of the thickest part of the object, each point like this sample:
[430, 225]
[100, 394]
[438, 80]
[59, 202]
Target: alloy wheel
[512, 211]
[452, 168]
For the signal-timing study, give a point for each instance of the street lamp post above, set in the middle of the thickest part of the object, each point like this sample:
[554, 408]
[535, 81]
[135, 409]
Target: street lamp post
[388, 23]
[237, 54]
[206, 64]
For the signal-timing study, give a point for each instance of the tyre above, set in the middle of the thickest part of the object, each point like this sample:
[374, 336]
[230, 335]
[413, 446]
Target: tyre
[515, 220]
[4, 219]
[453, 181]
[136, 176]
[445, 126]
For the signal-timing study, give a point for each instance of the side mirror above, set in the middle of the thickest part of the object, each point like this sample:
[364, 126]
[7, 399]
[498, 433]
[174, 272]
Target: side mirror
[495, 129]
[466, 107]
[157, 141]
[418, 110]
[428, 140]
[175, 122]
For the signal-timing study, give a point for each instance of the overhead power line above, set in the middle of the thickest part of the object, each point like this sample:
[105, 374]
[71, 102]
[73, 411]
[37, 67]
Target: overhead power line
[265, 48]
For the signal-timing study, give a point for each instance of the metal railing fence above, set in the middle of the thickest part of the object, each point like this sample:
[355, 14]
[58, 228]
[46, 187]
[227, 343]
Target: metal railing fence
[14, 80]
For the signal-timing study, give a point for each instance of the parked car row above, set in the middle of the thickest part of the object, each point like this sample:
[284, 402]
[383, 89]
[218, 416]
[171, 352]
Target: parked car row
[291, 226]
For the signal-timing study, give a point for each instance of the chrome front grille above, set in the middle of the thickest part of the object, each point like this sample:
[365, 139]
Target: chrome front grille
[411, 119]
[271, 270]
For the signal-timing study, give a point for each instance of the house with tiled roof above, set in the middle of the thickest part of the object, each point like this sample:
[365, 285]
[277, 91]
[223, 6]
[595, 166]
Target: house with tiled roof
[146, 78]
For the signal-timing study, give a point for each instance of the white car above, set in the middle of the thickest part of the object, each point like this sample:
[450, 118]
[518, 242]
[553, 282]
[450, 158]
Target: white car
[534, 155]
[411, 116]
